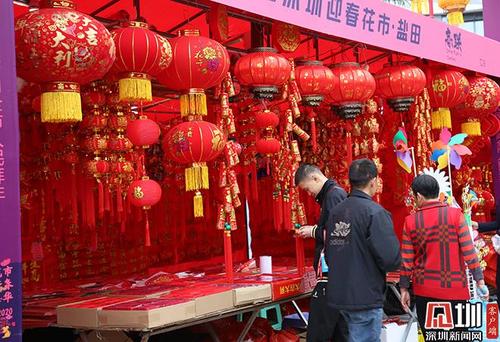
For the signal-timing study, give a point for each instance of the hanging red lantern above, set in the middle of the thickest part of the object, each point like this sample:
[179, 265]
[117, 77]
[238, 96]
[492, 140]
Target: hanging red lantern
[120, 144]
[356, 86]
[94, 120]
[400, 84]
[144, 193]
[268, 146]
[447, 89]
[143, 132]
[266, 119]
[490, 124]
[122, 167]
[97, 167]
[264, 70]
[96, 144]
[195, 142]
[315, 81]
[198, 63]
[481, 100]
[140, 55]
[61, 49]
[118, 122]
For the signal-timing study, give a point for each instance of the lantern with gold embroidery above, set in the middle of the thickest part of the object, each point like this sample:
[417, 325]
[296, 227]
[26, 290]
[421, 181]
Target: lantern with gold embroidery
[447, 89]
[482, 100]
[454, 9]
[315, 81]
[198, 63]
[195, 143]
[286, 37]
[140, 55]
[62, 48]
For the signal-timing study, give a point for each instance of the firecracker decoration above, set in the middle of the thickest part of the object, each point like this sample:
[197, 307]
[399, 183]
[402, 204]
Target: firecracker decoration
[198, 63]
[264, 70]
[481, 100]
[140, 55]
[422, 131]
[454, 10]
[400, 84]
[61, 48]
[356, 86]
[286, 37]
[447, 89]
[195, 143]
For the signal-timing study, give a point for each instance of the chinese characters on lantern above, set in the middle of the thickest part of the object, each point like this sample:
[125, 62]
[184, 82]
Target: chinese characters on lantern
[6, 298]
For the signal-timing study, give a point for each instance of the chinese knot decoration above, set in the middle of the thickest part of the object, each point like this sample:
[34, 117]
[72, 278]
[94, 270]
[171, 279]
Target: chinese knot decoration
[455, 9]
[61, 49]
[400, 84]
[140, 55]
[264, 70]
[447, 89]
[357, 85]
[314, 81]
[482, 100]
[195, 143]
[198, 63]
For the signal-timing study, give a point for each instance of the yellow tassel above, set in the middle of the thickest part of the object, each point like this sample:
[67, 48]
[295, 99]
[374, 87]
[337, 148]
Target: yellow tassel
[441, 118]
[196, 177]
[420, 6]
[133, 89]
[455, 18]
[472, 128]
[198, 204]
[193, 103]
[61, 106]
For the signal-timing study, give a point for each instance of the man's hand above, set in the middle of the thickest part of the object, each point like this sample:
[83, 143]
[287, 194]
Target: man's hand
[305, 231]
[405, 299]
[474, 225]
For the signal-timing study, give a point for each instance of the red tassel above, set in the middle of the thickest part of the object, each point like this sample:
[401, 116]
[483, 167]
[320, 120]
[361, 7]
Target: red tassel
[255, 193]
[287, 215]
[279, 222]
[314, 136]
[348, 143]
[119, 201]
[246, 183]
[107, 198]
[123, 223]
[100, 198]
[74, 200]
[299, 252]
[228, 255]
[147, 239]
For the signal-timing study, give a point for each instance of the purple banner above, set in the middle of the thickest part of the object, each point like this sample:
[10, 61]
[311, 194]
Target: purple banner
[10, 225]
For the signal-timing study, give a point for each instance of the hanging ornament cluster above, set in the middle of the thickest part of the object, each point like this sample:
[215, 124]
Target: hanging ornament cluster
[356, 86]
[454, 10]
[447, 89]
[400, 84]
[140, 55]
[61, 48]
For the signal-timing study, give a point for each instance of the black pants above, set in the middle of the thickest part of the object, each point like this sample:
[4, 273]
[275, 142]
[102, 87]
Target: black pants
[325, 324]
[421, 305]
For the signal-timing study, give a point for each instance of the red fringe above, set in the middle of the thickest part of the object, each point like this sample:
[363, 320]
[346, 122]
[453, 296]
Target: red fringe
[255, 192]
[100, 198]
[74, 199]
[314, 136]
[107, 198]
[147, 238]
[287, 215]
[348, 143]
[228, 256]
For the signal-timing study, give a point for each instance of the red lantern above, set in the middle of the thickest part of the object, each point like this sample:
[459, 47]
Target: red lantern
[96, 144]
[140, 54]
[143, 132]
[94, 120]
[314, 81]
[356, 86]
[118, 122]
[266, 119]
[286, 37]
[447, 89]
[490, 124]
[482, 99]
[122, 167]
[62, 48]
[119, 144]
[198, 63]
[264, 70]
[400, 84]
[268, 146]
[144, 193]
[97, 167]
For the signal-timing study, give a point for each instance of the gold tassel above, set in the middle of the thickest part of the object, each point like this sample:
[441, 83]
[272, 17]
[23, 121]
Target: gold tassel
[420, 6]
[61, 106]
[198, 204]
[441, 118]
[455, 18]
[135, 89]
[472, 128]
[196, 177]
[194, 103]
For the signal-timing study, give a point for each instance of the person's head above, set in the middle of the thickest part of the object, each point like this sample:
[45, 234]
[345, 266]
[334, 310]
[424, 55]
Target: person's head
[363, 176]
[310, 179]
[425, 188]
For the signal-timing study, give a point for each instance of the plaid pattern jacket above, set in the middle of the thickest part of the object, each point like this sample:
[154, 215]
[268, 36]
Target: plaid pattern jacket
[435, 248]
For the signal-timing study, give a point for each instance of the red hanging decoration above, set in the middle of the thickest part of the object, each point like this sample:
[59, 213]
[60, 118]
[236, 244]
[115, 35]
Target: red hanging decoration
[315, 81]
[286, 37]
[143, 132]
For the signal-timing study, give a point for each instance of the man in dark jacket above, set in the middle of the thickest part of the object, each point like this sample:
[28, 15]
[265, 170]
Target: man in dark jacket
[361, 248]
[324, 323]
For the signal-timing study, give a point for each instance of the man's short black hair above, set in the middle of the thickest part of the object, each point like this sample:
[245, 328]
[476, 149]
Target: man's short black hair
[426, 186]
[361, 172]
[304, 171]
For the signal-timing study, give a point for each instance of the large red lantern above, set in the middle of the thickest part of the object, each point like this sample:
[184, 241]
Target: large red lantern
[356, 86]
[400, 84]
[264, 70]
[144, 193]
[140, 55]
[61, 49]
[482, 99]
[143, 132]
[195, 142]
[447, 89]
[314, 81]
[198, 63]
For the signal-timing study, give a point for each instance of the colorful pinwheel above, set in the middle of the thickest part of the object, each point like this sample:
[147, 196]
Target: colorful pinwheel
[448, 149]
[400, 143]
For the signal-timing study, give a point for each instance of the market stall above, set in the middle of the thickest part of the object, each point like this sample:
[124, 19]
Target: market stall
[159, 140]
